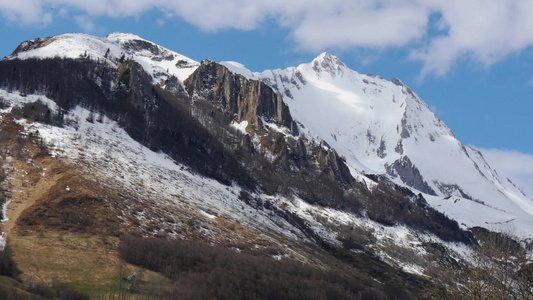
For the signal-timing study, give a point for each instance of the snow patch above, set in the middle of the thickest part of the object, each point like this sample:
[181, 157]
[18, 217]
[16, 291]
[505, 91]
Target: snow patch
[239, 68]
[4, 211]
[240, 126]
[210, 216]
[2, 241]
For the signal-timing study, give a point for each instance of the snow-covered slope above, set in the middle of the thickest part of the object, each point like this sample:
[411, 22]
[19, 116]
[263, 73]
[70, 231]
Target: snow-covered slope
[158, 61]
[382, 127]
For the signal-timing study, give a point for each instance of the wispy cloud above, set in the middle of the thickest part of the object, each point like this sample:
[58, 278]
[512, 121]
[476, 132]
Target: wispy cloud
[85, 23]
[482, 31]
[514, 165]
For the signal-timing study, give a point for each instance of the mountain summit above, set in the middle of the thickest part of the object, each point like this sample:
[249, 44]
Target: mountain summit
[328, 63]
[160, 62]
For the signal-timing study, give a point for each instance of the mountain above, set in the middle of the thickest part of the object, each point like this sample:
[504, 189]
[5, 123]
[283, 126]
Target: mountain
[351, 174]
[382, 127]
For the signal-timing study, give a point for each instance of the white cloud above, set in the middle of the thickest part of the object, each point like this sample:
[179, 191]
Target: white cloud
[514, 165]
[26, 12]
[482, 31]
[361, 24]
[85, 23]
[160, 23]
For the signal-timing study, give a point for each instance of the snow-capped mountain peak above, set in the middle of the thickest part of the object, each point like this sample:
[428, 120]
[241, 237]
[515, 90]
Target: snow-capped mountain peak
[329, 64]
[114, 49]
[123, 36]
[383, 127]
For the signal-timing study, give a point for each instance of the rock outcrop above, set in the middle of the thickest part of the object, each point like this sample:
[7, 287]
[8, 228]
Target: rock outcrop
[239, 97]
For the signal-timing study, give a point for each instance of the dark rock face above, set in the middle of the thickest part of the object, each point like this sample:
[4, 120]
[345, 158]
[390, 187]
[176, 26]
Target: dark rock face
[330, 161]
[406, 129]
[382, 150]
[409, 174]
[302, 150]
[399, 147]
[69, 82]
[449, 189]
[405, 89]
[397, 82]
[32, 44]
[247, 100]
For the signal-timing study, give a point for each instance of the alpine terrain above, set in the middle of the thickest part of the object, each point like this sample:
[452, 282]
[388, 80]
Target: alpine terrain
[131, 171]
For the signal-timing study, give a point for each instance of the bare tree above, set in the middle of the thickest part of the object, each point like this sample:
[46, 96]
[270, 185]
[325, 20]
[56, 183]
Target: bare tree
[501, 268]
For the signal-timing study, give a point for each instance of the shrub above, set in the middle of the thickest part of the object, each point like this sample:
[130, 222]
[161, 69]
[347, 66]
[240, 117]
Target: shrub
[7, 265]
[204, 272]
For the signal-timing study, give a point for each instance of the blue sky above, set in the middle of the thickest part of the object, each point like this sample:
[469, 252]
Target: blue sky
[470, 60]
